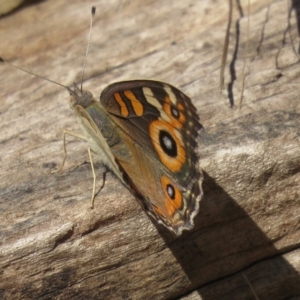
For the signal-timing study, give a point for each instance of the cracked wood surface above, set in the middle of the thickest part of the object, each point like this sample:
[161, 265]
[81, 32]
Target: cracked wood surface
[246, 236]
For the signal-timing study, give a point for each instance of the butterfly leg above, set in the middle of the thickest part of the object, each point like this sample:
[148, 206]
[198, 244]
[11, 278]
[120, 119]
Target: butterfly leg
[103, 182]
[82, 137]
[94, 177]
[94, 195]
[65, 132]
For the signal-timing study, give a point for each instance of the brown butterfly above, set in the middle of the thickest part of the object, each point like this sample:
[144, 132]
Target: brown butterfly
[146, 133]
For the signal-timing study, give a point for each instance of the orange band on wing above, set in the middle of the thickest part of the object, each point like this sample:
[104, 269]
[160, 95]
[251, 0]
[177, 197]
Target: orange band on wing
[180, 106]
[123, 107]
[136, 104]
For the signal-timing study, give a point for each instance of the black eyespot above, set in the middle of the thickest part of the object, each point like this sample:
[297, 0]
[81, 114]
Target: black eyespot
[175, 113]
[171, 191]
[167, 143]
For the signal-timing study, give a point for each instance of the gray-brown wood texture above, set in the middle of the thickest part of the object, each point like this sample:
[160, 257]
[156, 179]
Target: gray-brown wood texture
[247, 235]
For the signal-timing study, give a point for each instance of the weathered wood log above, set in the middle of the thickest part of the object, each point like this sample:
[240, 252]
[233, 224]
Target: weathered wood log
[246, 237]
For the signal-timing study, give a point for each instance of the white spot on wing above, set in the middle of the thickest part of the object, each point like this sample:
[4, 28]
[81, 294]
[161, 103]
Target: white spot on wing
[165, 117]
[151, 99]
[167, 142]
[170, 94]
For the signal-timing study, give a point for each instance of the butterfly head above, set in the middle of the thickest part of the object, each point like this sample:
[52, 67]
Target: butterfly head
[80, 97]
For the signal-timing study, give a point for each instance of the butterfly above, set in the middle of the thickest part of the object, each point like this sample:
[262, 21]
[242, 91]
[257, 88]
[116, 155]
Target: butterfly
[146, 133]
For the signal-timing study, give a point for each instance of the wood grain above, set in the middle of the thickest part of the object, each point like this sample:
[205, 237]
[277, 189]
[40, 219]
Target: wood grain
[246, 237]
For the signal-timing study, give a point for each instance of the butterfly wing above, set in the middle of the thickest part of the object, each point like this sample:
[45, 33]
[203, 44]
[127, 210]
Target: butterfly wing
[159, 127]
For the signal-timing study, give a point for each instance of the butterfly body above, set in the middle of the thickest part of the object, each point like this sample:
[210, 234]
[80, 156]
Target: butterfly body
[146, 133]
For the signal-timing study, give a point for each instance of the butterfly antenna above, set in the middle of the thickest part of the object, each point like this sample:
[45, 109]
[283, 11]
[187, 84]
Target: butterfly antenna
[93, 12]
[28, 72]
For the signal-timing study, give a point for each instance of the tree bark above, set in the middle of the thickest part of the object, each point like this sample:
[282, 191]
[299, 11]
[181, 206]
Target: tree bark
[245, 243]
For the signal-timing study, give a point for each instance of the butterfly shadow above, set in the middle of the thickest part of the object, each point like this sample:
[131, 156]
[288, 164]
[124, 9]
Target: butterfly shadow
[225, 241]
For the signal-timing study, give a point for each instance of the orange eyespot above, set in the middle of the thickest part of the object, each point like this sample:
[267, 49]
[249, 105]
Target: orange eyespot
[175, 113]
[168, 144]
[173, 196]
